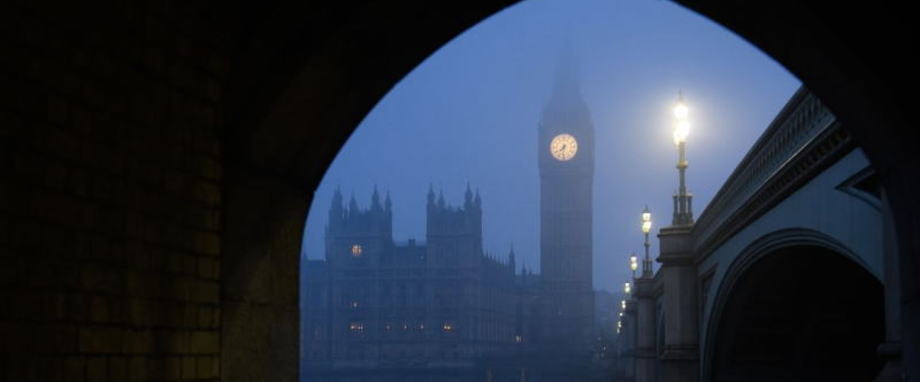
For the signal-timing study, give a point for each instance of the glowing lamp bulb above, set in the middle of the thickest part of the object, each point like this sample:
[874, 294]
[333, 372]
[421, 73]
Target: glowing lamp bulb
[627, 288]
[681, 111]
[623, 304]
[681, 130]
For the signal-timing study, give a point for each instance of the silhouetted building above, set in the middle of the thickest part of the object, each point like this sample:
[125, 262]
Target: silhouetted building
[440, 304]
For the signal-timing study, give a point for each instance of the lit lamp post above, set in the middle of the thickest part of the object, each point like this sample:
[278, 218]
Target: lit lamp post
[646, 228]
[633, 264]
[683, 211]
[627, 288]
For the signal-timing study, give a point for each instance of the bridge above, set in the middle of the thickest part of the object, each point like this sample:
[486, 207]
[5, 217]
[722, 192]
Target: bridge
[783, 275]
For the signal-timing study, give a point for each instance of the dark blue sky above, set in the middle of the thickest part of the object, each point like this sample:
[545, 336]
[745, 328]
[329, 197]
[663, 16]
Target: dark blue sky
[470, 112]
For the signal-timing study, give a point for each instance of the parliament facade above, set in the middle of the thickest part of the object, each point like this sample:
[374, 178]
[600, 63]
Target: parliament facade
[442, 303]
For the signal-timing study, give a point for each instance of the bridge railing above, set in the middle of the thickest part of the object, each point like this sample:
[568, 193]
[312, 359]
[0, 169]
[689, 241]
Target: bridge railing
[800, 122]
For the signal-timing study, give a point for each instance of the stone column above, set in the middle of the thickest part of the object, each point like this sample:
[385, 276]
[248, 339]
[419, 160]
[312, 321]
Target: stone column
[680, 356]
[645, 352]
[630, 333]
[890, 350]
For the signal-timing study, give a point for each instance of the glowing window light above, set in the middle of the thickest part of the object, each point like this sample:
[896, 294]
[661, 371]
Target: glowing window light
[447, 327]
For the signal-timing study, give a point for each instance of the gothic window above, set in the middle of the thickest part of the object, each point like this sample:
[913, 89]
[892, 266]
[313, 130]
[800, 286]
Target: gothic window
[357, 250]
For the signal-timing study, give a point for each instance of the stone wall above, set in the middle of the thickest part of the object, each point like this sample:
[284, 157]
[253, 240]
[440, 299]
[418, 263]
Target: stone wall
[110, 204]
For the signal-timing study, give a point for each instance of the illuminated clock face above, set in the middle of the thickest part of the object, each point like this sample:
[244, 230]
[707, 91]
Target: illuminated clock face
[563, 147]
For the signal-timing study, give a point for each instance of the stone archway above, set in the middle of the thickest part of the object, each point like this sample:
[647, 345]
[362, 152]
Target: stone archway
[799, 312]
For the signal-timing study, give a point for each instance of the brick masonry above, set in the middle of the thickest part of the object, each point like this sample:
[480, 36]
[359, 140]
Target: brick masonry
[156, 162]
[110, 205]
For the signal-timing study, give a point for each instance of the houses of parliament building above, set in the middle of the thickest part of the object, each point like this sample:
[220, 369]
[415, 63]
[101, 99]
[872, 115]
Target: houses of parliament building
[446, 304]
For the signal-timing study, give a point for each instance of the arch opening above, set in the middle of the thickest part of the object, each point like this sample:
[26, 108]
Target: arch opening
[801, 313]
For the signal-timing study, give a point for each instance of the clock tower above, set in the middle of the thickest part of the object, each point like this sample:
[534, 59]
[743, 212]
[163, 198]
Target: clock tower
[566, 159]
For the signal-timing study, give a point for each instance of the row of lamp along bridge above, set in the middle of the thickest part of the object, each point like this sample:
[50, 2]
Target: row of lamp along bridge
[638, 290]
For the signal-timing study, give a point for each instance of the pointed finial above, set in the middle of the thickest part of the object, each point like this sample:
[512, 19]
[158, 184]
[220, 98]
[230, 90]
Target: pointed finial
[375, 199]
[353, 204]
[337, 198]
[441, 198]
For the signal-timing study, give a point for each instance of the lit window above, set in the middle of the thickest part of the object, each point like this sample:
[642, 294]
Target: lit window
[354, 304]
[387, 327]
[447, 327]
[356, 326]
[356, 250]
[518, 339]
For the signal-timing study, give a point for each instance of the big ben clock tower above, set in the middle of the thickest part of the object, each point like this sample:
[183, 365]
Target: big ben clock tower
[566, 159]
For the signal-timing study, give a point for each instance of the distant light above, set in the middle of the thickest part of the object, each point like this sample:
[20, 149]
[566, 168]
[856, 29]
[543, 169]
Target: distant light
[623, 304]
[356, 250]
[518, 339]
[626, 287]
[633, 263]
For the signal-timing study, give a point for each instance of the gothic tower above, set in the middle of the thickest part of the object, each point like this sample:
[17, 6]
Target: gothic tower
[566, 159]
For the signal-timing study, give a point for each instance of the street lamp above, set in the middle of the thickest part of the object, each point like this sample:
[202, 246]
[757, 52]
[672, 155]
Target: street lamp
[627, 288]
[646, 228]
[623, 304]
[683, 211]
[633, 264]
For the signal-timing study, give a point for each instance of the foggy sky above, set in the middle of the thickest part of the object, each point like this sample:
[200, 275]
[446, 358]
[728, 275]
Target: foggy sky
[469, 113]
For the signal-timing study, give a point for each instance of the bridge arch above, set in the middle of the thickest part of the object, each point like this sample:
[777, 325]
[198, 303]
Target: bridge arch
[796, 304]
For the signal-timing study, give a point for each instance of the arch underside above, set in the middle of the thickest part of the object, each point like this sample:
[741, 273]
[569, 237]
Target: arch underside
[800, 313]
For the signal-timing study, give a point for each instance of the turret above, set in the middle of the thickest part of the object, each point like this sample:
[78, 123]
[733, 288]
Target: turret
[359, 233]
[336, 210]
[454, 231]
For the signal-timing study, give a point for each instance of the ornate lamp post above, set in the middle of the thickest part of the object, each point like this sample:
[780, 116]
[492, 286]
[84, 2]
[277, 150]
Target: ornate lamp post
[683, 208]
[646, 228]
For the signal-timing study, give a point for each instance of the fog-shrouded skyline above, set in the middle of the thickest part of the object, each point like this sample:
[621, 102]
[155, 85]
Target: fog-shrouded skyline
[469, 114]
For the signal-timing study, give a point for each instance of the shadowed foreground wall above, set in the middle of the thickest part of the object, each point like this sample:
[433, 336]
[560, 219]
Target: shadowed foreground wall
[110, 205]
[156, 165]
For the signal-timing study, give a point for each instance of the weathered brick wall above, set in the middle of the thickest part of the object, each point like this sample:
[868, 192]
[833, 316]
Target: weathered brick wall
[110, 196]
